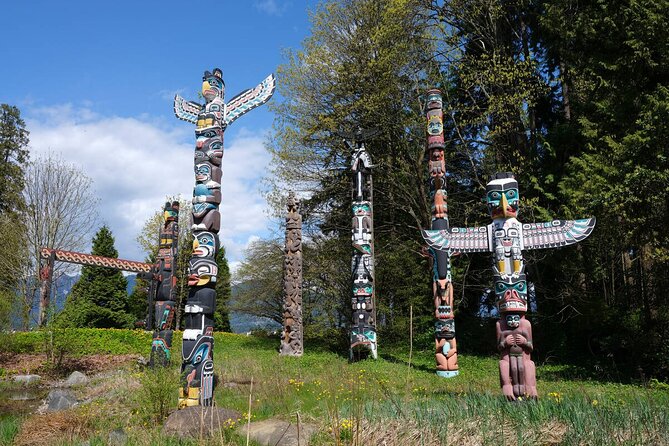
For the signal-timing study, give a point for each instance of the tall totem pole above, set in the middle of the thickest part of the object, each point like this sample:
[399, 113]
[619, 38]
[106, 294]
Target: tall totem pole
[446, 353]
[211, 119]
[363, 327]
[506, 238]
[163, 289]
[292, 337]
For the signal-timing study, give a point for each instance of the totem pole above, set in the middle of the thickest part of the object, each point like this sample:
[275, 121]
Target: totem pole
[363, 327]
[291, 339]
[163, 291]
[506, 238]
[446, 353]
[211, 119]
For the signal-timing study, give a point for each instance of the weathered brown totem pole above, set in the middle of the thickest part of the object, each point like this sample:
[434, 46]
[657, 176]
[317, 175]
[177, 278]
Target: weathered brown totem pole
[506, 238]
[292, 337]
[363, 326]
[446, 353]
[211, 120]
[163, 289]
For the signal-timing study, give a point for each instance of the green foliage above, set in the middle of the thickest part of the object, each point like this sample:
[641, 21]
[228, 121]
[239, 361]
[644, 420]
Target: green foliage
[138, 299]
[13, 157]
[82, 341]
[9, 427]
[397, 398]
[158, 395]
[99, 298]
[12, 235]
[261, 277]
[223, 293]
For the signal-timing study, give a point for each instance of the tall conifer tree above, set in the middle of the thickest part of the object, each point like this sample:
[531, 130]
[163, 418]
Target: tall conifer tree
[223, 293]
[99, 299]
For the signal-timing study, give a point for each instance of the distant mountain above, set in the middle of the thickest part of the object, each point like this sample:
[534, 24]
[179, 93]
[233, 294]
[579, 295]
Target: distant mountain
[243, 323]
[62, 286]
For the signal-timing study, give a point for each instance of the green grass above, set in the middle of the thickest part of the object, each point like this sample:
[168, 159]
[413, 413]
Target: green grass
[372, 401]
[9, 426]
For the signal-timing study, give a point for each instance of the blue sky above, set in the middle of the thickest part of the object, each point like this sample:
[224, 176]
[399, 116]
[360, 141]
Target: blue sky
[95, 82]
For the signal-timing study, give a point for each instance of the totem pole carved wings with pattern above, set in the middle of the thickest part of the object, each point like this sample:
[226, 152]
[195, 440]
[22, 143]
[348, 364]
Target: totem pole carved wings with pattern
[244, 102]
[551, 234]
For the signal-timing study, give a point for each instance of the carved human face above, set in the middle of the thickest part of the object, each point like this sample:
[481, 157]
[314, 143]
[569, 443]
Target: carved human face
[507, 235]
[513, 320]
[202, 172]
[435, 126]
[502, 198]
[209, 147]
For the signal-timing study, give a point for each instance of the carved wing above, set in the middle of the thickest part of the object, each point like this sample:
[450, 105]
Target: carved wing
[459, 239]
[556, 233]
[249, 99]
[186, 110]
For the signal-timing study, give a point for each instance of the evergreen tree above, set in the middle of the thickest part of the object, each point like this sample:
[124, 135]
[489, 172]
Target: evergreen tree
[99, 299]
[13, 160]
[13, 157]
[223, 293]
[365, 65]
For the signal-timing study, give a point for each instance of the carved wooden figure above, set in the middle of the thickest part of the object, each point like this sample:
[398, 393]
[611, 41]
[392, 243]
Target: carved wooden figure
[164, 291]
[446, 353]
[211, 120]
[363, 340]
[506, 238]
[292, 337]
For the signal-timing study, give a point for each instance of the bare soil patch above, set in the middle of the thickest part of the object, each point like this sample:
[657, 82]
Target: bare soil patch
[15, 364]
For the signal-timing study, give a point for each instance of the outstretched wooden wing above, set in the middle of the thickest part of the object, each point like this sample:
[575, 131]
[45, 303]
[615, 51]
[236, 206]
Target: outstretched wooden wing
[459, 239]
[556, 233]
[186, 110]
[249, 99]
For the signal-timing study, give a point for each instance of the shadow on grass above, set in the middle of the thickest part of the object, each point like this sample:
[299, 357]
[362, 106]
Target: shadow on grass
[397, 360]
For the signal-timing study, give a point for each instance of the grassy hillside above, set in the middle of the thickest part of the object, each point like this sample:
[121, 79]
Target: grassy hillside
[365, 403]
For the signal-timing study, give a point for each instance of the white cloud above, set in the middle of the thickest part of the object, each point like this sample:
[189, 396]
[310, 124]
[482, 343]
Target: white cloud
[135, 163]
[271, 7]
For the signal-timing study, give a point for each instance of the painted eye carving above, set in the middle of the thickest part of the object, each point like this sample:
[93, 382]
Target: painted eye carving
[499, 234]
[513, 233]
[495, 195]
[500, 287]
[521, 286]
[511, 194]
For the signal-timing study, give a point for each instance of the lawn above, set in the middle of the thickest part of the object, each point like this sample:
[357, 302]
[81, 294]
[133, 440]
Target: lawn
[388, 401]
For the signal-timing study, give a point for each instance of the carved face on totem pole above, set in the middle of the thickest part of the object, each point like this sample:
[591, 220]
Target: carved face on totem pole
[202, 271]
[511, 293]
[208, 175]
[435, 124]
[502, 197]
[205, 244]
[293, 203]
[171, 211]
[209, 146]
[444, 329]
[513, 320]
[213, 85]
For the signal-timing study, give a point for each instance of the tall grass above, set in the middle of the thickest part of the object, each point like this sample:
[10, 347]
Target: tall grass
[378, 402]
[9, 427]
